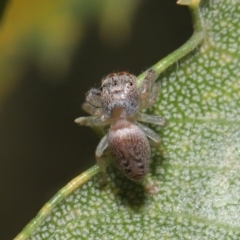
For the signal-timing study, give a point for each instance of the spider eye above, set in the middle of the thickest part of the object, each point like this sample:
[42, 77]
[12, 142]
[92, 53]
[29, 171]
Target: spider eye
[131, 83]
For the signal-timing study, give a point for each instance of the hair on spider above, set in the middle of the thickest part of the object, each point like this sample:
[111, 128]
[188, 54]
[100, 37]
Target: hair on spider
[118, 103]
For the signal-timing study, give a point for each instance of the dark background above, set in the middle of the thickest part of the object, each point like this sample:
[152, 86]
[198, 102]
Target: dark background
[41, 148]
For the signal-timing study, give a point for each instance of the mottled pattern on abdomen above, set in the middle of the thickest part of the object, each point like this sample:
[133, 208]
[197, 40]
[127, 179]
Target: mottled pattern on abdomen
[130, 150]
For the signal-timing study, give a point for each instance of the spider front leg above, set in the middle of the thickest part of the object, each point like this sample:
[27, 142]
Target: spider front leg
[153, 95]
[93, 97]
[93, 121]
[148, 94]
[93, 104]
[91, 109]
[149, 91]
[97, 120]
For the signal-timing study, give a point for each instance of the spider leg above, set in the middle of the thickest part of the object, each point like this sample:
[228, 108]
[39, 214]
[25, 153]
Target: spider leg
[102, 146]
[93, 104]
[161, 121]
[150, 133]
[91, 109]
[91, 121]
[146, 88]
[101, 161]
[93, 96]
[153, 96]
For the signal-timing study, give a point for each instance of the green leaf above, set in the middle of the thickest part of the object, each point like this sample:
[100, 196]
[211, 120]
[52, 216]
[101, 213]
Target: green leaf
[193, 188]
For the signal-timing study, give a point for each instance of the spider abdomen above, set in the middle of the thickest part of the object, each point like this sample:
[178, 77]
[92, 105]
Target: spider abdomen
[130, 149]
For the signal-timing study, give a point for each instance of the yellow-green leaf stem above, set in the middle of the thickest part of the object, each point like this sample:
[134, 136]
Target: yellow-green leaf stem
[52, 203]
[190, 3]
[186, 48]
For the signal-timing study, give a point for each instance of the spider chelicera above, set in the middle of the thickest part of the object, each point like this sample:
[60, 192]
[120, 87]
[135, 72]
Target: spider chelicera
[117, 103]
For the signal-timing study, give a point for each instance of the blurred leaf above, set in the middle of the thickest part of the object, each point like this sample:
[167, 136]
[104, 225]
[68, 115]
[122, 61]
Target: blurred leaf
[193, 189]
[110, 18]
[46, 34]
[3, 4]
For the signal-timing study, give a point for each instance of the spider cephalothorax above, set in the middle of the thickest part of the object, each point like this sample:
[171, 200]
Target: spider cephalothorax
[117, 103]
[119, 90]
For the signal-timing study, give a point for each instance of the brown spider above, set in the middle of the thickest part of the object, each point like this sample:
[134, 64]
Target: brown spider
[117, 103]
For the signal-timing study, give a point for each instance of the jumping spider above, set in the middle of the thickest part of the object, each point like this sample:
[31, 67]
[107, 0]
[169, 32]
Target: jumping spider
[117, 103]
